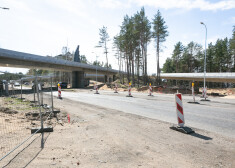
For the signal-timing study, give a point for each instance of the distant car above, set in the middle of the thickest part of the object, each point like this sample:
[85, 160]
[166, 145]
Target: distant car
[26, 83]
[63, 85]
[16, 84]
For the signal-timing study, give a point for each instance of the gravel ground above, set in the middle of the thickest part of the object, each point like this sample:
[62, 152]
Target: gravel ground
[102, 137]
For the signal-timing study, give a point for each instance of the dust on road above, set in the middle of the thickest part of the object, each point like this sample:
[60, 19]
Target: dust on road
[100, 137]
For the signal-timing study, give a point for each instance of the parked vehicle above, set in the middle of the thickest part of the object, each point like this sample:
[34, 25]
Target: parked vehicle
[63, 85]
[16, 84]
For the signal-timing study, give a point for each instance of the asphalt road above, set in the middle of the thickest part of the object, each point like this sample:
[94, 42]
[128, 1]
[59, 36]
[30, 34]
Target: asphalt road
[217, 115]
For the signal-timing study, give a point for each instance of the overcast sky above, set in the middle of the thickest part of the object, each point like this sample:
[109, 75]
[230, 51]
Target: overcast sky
[43, 27]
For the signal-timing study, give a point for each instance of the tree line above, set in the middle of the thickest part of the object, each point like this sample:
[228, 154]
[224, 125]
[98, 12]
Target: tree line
[11, 76]
[190, 58]
[131, 44]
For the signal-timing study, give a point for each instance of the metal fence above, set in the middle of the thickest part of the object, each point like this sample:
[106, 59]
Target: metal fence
[26, 112]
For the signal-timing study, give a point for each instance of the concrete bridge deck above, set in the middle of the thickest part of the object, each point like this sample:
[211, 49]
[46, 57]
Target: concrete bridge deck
[9, 58]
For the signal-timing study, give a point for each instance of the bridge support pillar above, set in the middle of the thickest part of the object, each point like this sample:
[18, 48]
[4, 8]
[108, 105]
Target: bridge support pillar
[108, 79]
[105, 78]
[114, 78]
[78, 79]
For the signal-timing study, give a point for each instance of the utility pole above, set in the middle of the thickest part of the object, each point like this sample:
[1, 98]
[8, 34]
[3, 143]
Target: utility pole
[205, 62]
[96, 61]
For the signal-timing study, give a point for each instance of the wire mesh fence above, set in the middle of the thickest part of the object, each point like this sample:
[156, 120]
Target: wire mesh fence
[26, 109]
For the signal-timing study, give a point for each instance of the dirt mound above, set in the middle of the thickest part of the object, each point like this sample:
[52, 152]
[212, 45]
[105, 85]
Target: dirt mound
[143, 88]
[7, 110]
[219, 91]
[105, 87]
[32, 115]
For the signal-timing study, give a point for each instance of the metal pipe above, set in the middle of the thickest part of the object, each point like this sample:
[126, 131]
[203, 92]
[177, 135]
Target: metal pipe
[96, 68]
[34, 89]
[36, 82]
[52, 104]
[21, 89]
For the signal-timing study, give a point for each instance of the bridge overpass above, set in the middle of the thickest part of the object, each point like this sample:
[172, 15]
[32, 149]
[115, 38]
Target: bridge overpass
[9, 58]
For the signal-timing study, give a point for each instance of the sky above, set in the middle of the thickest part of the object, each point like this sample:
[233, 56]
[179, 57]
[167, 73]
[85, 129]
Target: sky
[43, 27]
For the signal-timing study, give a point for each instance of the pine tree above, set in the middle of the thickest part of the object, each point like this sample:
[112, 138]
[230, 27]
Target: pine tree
[168, 66]
[177, 54]
[159, 34]
[104, 38]
[232, 48]
[143, 26]
[210, 58]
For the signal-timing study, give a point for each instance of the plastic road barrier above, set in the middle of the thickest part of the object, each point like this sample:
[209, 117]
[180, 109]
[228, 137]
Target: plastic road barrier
[179, 109]
[96, 89]
[150, 90]
[193, 94]
[129, 91]
[59, 91]
[204, 92]
[180, 116]
[115, 88]
[68, 118]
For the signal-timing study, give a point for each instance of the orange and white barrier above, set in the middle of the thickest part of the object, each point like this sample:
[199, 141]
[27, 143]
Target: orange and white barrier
[96, 89]
[180, 116]
[129, 91]
[150, 90]
[179, 109]
[193, 92]
[59, 91]
[115, 88]
[68, 118]
[204, 93]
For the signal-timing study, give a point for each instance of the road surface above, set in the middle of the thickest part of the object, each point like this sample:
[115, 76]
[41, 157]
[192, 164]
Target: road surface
[217, 115]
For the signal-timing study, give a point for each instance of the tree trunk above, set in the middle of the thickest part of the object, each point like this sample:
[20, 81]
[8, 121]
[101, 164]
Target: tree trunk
[143, 61]
[158, 69]
[138, 70]
[106, 52]
[127, 68]
[122, 74]
[133, 69]
[234, 62]
[145, 55]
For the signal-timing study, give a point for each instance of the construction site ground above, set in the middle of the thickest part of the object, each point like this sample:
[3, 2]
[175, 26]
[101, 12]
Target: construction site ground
[107, 138]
